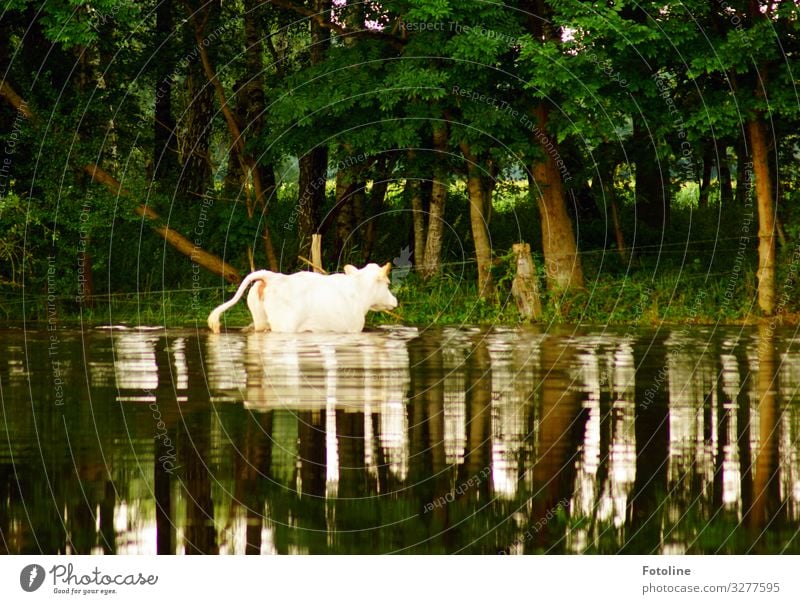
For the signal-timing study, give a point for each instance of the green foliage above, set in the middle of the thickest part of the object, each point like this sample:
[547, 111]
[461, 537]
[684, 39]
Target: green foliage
[617, 78]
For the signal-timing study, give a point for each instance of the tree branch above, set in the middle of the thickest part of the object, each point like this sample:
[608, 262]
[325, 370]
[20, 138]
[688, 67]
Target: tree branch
[16, 101]
[205, 259]
[248, 164]
[179, 242]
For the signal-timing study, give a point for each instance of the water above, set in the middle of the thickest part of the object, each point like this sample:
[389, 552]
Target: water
[400, 440]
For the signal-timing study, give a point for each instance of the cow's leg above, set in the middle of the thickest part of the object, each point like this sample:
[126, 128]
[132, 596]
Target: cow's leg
[255, 302]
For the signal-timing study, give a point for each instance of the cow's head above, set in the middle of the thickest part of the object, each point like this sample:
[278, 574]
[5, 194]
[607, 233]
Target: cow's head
[373, 285]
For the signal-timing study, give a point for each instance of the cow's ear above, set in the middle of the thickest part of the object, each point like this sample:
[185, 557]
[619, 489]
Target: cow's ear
[386, 269]
[349, 269]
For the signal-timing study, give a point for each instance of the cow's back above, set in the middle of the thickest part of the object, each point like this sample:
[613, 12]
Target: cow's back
[312, 302]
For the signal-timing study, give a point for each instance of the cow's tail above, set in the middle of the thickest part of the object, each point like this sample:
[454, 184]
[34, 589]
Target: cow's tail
[213, 318]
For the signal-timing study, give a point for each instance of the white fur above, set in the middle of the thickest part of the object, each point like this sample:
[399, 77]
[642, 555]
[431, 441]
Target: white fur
[213, 318]
[308, 301]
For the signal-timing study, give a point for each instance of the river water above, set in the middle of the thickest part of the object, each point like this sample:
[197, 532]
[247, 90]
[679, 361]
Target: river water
[678, 440]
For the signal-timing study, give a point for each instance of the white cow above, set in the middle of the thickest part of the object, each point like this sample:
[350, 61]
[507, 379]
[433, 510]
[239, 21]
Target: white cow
[308, 301]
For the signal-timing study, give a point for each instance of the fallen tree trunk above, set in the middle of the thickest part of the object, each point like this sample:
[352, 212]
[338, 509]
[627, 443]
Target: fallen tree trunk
[15, 100]
[203, 258]
[248, 164]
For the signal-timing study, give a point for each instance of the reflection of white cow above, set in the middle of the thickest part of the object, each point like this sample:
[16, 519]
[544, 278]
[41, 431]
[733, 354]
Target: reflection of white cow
[312, 371]
[312, 302]
[324, 374]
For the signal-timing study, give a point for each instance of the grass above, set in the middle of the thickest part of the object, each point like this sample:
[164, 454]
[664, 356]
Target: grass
[689, 273]
[610, 298]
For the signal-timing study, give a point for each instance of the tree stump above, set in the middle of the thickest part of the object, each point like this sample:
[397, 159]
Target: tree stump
[525, 287]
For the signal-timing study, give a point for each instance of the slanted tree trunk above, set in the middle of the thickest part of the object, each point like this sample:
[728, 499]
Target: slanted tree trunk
[433, 244]
[205, 259]
[479, 223]
[766, 215]
[179, 242]
[248, 164]
[562, 264]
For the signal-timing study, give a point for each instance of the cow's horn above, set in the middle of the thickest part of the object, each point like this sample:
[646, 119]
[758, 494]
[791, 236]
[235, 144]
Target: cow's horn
[387, 268]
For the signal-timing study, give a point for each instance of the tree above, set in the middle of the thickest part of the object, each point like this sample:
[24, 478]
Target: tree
[562, 263]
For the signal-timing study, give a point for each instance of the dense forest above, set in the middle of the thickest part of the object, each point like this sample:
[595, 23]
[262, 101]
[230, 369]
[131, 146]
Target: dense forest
[646, 151]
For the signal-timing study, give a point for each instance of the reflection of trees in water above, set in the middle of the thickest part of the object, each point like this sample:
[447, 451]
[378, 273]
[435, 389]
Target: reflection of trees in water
[530, 443]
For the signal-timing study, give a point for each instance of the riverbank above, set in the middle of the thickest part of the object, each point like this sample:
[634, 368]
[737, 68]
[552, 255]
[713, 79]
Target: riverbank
[627, 299]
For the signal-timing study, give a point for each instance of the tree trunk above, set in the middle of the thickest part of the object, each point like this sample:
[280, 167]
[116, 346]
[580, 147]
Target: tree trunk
[743, 173]
[583, 207]
[165, 146]
[414, 191]
[489, 184]
[255, 109]
[314, 164]
[16, 101]
[724, 175]
[611, 196]
[255, 100]
[316, 253]
[479, 224]
[652, 197]
[705, 181]
[86, 78]
[235, 178]
[433, 243]
[766, 215]
[196, 167]
[562, 264]
[311, 199]
[377, 195]
[349, 206]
